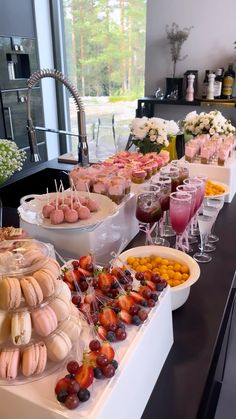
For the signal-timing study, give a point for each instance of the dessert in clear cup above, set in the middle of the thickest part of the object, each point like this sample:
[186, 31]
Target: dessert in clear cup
[138, 176]
[223, 155]
[116, 189]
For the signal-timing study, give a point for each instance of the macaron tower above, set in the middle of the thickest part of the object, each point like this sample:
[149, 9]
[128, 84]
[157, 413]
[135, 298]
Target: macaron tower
[35, 312]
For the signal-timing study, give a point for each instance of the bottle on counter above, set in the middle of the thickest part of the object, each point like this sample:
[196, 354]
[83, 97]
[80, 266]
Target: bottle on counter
[218, 83]
[228, 83]
[210, 88]
[205, 84]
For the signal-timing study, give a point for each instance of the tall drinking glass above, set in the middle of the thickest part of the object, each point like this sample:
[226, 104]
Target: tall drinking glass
[217, 203]
[192, 190]
[164, 183]
[205, 223]
[198, 184]
[148, 211]
[180, 207]
[173, 173]
[183, 167]
[211, 212]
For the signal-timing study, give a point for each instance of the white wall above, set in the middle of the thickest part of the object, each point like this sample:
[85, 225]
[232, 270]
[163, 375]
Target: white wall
[44, 38]
[209, 46]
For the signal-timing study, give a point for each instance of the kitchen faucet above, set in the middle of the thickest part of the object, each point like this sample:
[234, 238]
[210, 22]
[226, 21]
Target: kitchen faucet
[83, 154]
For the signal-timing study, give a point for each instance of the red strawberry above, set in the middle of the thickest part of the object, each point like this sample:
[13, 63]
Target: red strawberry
[105, 281]
[106, 349]
[125, 317]
[62, 384]
[90, 358]
[108, 319]
[102, 332]
[69, 276]
[150, 285]
[117, 272]
[137, 297]
[83, 272]
[77, 275]
[86, 262]
[147, 275]
[84, 376]
[99, 294]
[145, 291]
[125, 302]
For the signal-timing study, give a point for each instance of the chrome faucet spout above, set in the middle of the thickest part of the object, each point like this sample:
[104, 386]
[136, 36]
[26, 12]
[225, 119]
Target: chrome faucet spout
[83, 154]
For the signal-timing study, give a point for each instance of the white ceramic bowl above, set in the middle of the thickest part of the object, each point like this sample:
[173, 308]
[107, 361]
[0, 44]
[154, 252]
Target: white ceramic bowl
[180, 293]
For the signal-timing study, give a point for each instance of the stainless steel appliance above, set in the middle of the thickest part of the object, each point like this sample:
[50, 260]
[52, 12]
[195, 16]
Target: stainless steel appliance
[18, 59]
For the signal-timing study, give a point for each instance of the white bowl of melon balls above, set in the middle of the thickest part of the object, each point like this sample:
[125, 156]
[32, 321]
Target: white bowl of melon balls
[159, 264]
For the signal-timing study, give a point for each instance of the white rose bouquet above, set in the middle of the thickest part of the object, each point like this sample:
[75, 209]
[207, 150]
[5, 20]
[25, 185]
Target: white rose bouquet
[149, 134]
[207, 123]
[11, 159]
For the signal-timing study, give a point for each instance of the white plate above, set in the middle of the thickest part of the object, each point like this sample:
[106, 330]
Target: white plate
[180, 293]
[32, 211]
[226, 188]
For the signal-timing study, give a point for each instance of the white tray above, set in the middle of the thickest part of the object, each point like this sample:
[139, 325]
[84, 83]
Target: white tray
[101, 240]
[141, 358]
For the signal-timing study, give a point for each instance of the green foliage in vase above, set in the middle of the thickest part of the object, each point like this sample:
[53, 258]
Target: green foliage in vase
[176, 37]
[11, 159]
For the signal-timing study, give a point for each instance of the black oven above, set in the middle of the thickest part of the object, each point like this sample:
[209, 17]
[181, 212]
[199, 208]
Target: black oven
[18, 60]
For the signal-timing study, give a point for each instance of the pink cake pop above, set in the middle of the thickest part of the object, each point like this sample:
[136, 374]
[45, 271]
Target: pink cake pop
[48, 208]
[57, 215]
[63, 206]
[71, 215]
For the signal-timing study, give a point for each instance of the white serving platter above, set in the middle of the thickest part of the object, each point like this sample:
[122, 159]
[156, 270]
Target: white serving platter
[31, 211]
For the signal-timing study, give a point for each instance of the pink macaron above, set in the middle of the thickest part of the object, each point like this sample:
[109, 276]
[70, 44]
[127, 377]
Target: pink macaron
[31, 290]
[9, 363]
[44, 320]
[34, 359]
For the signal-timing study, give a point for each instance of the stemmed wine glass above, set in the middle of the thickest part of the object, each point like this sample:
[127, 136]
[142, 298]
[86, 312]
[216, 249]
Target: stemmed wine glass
[217, 203]
[212, 212]
[192, 190]
[173, 173]
[205, 223]
[148, 209]
[180, 207]
[164, 183]
[198, 184]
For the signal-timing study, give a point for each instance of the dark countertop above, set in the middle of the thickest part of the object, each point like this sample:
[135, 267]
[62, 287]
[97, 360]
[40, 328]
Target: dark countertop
[35, 168]
[180, 386]
[196, 324]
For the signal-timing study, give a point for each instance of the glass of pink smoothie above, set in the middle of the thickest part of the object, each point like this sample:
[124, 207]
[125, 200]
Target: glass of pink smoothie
[180, 208]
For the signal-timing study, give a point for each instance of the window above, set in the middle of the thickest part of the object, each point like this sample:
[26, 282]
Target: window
[105, 55]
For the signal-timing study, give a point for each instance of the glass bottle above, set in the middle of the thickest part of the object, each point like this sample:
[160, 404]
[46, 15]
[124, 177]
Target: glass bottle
[228, 83]
[205, 84]
[218, 83]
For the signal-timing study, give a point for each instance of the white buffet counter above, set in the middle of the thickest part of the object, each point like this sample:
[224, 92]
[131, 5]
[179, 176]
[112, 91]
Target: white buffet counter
[141, 357]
